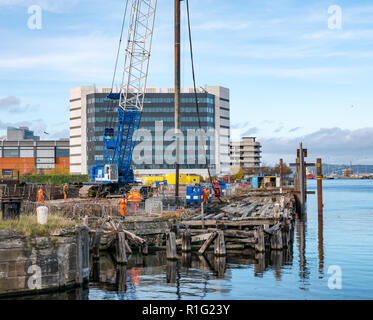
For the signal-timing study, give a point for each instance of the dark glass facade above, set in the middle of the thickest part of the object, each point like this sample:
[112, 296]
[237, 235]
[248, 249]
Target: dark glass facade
[102, 113]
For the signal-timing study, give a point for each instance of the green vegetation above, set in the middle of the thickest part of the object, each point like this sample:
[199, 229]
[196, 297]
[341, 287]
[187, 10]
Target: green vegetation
[55, 179]
[28, 225]
[239, 174]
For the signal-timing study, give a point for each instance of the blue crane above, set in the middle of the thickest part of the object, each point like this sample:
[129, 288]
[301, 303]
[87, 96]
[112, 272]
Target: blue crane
[116, 174]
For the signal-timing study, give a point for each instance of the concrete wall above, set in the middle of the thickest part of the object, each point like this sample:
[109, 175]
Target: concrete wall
[29, 266]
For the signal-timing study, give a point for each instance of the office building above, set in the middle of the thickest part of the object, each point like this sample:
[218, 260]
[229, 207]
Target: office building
[30, 155]
[90, 111]
[245, 153]
[21, 133]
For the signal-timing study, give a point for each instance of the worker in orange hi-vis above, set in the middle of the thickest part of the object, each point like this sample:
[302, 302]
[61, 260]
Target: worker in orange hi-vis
[65, 190]
[217, 190]
[123, 205]
[41, 195]
[205, 195]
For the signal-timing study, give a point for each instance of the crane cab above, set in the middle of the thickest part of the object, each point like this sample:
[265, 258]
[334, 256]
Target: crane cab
[105, 174]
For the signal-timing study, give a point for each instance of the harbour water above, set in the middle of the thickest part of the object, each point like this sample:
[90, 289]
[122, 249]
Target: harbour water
[343, 242]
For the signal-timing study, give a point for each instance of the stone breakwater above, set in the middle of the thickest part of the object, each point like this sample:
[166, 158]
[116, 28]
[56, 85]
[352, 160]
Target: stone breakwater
[43, 264]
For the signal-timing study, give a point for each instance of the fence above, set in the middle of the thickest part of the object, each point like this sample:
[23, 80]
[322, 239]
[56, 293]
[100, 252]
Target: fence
[28, 191]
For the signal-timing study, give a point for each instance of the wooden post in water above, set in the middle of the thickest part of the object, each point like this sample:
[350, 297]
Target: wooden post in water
[320, 204]
[171, 246]
[220, 244]
[202, 216]
[260, 244]
[121, 256]
[301, 182]
[276, 240]
[144, 249]
[186, 241]
[96, 244]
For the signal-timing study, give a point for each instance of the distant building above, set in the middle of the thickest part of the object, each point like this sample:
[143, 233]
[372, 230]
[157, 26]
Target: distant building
[245, 153]
[28, 154]
[90, 109]
[347, 172]
[21, 133]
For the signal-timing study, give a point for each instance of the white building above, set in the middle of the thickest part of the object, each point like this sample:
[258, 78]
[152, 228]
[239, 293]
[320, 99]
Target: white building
[86, 132]
[245, 153]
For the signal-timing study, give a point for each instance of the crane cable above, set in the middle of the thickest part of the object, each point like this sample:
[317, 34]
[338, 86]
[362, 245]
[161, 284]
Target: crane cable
[120, 43]
[111, 120]
[196, 98]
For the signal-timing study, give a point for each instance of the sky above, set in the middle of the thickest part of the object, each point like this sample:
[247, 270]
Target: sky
[295, 71]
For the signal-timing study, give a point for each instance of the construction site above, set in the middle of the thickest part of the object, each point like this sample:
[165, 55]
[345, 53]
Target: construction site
[116, 214]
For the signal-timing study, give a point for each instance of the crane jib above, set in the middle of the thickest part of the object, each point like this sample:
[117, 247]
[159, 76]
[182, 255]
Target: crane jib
[119, 142]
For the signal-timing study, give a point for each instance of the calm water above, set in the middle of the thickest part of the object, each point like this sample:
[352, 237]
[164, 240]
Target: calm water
[345, 239]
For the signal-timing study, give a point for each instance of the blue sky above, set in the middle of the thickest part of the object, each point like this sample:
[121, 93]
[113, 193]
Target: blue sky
[291, 78]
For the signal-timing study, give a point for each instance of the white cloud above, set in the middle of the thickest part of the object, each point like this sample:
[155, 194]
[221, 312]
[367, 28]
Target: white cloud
[336, 144]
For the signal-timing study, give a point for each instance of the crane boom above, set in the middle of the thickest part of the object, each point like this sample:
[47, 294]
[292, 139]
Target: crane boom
[119, 145]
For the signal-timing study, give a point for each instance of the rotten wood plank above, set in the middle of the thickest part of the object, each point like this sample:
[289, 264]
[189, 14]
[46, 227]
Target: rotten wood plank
[198, 238]
[207, 243]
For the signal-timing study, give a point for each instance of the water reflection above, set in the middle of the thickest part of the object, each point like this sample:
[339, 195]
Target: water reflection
[191, 275]
[301, 230]
[321, 245]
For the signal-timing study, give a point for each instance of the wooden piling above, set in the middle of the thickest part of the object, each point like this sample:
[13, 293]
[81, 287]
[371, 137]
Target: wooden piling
[121, 256]
[220, 244]
[186, 241]
[320, 204]
[128, 248]
[171, 246]
[260, 244]
[220, 265]
[144, 249]
[121, 278]
[276, 240]
[96, 244]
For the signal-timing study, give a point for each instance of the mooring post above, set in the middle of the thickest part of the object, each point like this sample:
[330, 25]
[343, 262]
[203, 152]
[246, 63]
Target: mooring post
[121, 278]
[276, 240]
[171, 246]
[121, 256]
[186, 241]
[96, 244]
[260, 244]
[301, 182]
[144, 249]
[220, 244]
[320, 204]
